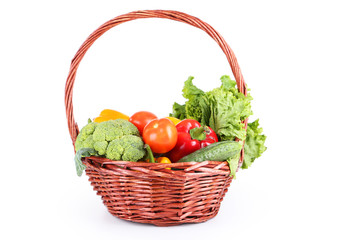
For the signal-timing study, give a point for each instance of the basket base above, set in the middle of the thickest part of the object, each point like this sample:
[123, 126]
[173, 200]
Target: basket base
[163, 222]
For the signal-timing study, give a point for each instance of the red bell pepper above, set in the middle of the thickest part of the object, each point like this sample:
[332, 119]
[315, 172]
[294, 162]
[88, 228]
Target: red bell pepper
[191, 137]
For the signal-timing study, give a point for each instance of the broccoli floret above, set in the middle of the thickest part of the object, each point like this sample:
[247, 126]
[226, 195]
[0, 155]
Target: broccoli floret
[127, 148]
[133, 148]
[127, 127]
[114, 129]
[85, 137]
[101, 147]
[116, 139]
[107, 131]
[114, 150]
[88, 143]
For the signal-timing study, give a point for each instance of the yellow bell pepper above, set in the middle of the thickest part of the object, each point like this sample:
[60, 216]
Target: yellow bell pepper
[174, 120]
[108, 114]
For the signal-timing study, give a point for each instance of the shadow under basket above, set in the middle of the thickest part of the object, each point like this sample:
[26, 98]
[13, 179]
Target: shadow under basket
[188, 192]
[152, 193]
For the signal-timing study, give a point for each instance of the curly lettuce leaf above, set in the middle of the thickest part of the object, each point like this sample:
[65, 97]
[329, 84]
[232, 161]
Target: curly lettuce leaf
[225, 115]
[254, 144]
[205, 110]
[196, 107]
[178, 111]
[190, 90]
[245, 101]
[227, 83]
[233, 164]
[191, 108]
[228, 108]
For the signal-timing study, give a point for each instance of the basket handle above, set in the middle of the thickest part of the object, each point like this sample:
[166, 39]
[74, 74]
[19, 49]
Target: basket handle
[168, 14]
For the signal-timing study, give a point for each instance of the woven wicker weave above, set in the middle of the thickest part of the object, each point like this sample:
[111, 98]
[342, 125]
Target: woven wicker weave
[148, 192]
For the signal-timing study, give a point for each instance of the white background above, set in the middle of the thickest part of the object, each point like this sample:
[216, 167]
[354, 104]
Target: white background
[300, 58]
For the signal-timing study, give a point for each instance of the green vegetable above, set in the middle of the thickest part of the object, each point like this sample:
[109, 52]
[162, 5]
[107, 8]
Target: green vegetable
[114, 139]
[194, 107]
[245, 106]
[225, 115]
[219, 151]
[149, 154]
[233, 164]
[84, 139]
[178, 111]
[127, 148]
[222, 108]
[254, 144]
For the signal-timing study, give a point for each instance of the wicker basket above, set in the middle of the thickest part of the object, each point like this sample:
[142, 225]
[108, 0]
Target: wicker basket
[148, 192]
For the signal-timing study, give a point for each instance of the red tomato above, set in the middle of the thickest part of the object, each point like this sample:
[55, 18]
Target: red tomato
[140, 119]
[160, 135]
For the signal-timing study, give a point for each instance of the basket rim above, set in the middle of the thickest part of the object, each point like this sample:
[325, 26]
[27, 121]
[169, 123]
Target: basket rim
[103, 160]
[180, 171]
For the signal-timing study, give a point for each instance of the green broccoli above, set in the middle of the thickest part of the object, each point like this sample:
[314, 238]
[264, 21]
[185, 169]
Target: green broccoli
[114, 139]
[84, 139]
[128, 148]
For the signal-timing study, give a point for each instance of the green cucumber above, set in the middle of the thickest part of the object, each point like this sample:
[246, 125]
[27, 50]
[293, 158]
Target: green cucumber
[219, 151]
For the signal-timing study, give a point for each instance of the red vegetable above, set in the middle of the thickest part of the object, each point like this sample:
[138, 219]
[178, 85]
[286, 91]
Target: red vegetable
[160, 135]
[140, 119]
[191, 137]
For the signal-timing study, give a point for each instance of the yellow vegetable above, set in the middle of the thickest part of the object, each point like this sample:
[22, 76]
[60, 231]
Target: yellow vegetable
[174, 120]
[163, 160]
[108, 114]
[100, 119]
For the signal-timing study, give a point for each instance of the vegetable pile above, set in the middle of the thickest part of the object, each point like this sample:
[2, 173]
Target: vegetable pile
[209, 126]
